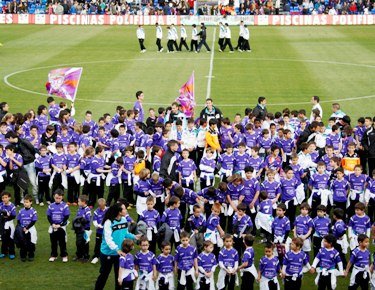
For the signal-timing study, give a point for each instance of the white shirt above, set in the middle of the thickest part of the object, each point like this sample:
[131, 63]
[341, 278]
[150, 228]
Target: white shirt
[183, 32]
[246, 33]
[319, 107]
[194, 33]
[242, 28]
[170, 34]
[174, 30]
[159, 32]
[228, 33]
[141, 33]
[222, 31]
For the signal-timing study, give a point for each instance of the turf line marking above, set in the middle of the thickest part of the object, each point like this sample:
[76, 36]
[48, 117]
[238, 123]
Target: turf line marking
[211, 66]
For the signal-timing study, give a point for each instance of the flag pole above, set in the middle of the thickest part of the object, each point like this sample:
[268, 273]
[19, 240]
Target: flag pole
[79, 79]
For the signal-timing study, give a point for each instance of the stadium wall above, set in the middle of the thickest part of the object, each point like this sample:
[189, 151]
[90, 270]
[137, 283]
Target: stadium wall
[264, 20]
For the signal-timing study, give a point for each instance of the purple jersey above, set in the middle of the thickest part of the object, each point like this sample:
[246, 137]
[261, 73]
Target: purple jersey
[340, 190]
[241, 224]
[297, 170]
[294, 262]
[229, 257]
[223, 133]
[328, 259]
[269, 267]
[145, 261]
[165, 264]
[186, 167]
[85, 140]
[185, 257]
[189, 196]
[42, 123]
[9, 209]
[326, 159]
[58, 160]
[197, 223]
[157, 186]
[248, 257]
[127, 263]
[172, 217]
[321, 226]
[265, 143]
[265, 206]
[240, 161]
[234, 191]
[3, 140]
[72, 160]
[65, 140]
[150, 217]
[98, 218]
[42, 162]
[339, 229]
[212, 222]
[273, 163]
[303, 224]
[359, 224]
[85, 212]
[319, 181]
[256, 163]
[251, 140]
[57, 212]
[156, 164]
[280, 226]
[97, 163]
[34, 140]
[128, 165]
[287, 145]
[54, 111]
[141, 187]
[272, 188]
[207, 166]
[139, 107]
[207, 261]
[124, 141]
[288, 188]
[226, 161]
[250, 188]
[357, 183]
[359, 258]
[18, 158]
[334, 140]
[138, 136]
[115, 168]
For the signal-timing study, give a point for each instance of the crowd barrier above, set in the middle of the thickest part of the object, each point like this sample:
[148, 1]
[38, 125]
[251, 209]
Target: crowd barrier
[262, 20]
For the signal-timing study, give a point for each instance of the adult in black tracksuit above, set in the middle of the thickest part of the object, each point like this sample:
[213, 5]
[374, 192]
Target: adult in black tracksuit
[260, 111]
[307, 135]
[203, 35]
[368, 143]
[168, 166]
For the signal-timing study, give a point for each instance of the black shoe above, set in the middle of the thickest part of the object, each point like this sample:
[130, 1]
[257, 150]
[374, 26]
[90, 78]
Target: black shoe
[31, 259]
[23, 259]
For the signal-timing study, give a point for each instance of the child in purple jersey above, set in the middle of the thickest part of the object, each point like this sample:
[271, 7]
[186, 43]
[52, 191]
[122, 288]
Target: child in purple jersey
[151, 219]
[145, 264]
[58, 164]
[250, 136]
[303, 227]
[265, 143]
[85, 168]
[43, 171]
[73, 173]
[360, 260]
[319, 184]
[157, 137]
[273, 161]
[358, 224]
[247, 268]
[27, 218]
[164, 266]
[126, 272]
[334, 139]
[358, 182]
[171, 221]
[241, 159]
[207, 264]
[64, 137]
[207, 167]
[214, 231]
[196, 225]
[186, 263]
[113, 180]
[237, 137]
[97, 222]
[58, 214]
[228, 263]
[289, 186]
[124, 139]
[256, 162]
[225, 132]
[242, 225]
[272, 187]
[157, 153]
[280, 231]
[269, 267]
[340, 189]
[3, 165]
[321, 227]
[156, 186]
[235, 188]
[187, 170]
[327, 259]
[8, 212]
[339, 231]
[295, 263]
[142, 190]
[15, 166]
[127, 175]
[226, 163]
[287, 146]
[264, 217]
[85, 140]
[81, 226]
[33, 137]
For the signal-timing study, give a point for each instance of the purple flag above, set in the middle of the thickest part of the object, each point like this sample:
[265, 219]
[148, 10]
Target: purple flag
[63, 82]
[187, 97]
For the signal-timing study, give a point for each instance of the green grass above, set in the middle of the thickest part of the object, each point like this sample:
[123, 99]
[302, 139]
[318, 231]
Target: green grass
[287, 65]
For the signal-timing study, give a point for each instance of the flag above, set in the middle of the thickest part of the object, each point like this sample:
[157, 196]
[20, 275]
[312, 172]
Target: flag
[63, 82]
[187, 97]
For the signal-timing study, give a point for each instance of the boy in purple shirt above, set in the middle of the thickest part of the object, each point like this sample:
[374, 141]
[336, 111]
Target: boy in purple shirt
[226, 163]
[8, 212]
[327, 259]
[186, 263]
[151, 218]
[43, 171]
[358, 183]
[228, 263]
[145, 264]
[339, 231]
[242, 225]
[269, 267]
[289, 186]
[293, 265]
[164, 266]
[321, 226]
[247, 268]
[241, 159]
[113, 180]
[358, 224]
[81, 226]
[127, 272]
[27, 218]
[340, 188]
[207, 167]
[303, 227]
[58, 164]
[127, 175]
[207, 264]
[97, 222]
[187, 170]
[196, 225]
[58, 214]
[280, 230]
[171, 221]
[318, 185]
[73, 173]
[256, 162]
[264, 217]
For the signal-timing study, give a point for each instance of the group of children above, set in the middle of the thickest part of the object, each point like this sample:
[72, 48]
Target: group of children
[262, 184]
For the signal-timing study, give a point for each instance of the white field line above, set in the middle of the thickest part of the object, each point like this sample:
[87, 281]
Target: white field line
[211, 66]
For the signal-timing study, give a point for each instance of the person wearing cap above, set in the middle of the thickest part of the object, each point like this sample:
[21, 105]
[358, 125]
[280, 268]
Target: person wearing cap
[203, 35]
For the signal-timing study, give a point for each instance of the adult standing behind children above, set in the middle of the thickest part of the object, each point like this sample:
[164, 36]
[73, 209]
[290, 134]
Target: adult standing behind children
[168, 167]
[139, 107]
[115, 230]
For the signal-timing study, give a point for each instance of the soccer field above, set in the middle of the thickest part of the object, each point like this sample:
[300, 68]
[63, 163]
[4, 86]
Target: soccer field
[288, 65]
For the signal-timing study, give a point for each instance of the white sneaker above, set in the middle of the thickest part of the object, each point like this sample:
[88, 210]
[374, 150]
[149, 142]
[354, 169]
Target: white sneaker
[65, 259]
[52, 259]
[240, 50]
[41, 204]
[231, 51]
[220, 50]
[161, 50]
[48, 202]
[94, 261]
[144, 50]
[21, 201]
[37, 201]
[249, 50]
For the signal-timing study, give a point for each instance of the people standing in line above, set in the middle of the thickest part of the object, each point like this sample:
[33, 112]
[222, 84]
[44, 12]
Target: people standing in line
[141, 38]
[246, 38]
[240, 37]
[203, 36]
[194, 39]
[175, 36]
[228, 36]
[221, 36]
[159, 37]
[170, 40]
[183, 38]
